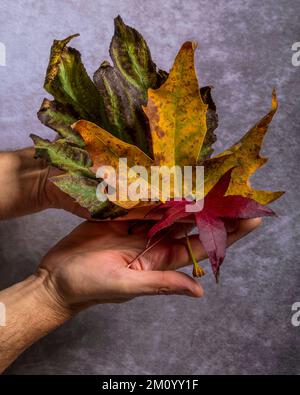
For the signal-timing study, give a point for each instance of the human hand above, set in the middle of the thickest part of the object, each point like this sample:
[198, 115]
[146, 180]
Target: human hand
[92, 265]
[26, 188]
[58, 199]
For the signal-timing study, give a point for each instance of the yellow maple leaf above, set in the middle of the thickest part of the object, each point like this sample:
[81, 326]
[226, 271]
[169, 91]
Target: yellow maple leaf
[244, 157]
[177, 113]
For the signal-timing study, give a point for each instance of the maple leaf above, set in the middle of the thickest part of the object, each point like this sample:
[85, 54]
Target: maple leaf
[210, 220]
[177, 113]
[244, 157]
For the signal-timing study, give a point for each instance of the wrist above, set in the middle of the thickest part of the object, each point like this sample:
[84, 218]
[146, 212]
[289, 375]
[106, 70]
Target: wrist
[35, 296]
[32, 312]
[48, 296]
[61, 295]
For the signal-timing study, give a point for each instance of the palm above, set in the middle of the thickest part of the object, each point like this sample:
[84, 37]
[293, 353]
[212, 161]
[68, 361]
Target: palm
[96, 263]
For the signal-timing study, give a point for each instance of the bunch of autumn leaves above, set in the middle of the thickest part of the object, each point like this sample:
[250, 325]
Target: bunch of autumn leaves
[133, 110]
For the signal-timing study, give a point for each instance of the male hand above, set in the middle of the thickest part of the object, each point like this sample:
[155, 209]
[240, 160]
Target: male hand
[26, 188]
[92, 265]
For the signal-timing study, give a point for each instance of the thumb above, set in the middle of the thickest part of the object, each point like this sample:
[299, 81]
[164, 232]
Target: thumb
[163, 283]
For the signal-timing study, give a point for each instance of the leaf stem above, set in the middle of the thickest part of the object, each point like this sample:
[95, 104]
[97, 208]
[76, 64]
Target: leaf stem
[198, 271]
[150, 246]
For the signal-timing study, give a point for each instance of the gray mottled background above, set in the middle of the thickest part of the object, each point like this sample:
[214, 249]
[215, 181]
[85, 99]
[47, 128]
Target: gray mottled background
[242, 325]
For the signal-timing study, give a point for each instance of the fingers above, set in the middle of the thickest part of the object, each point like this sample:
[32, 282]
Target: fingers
[244, 227]
[231, 224]
[180, 256]
[140, 283]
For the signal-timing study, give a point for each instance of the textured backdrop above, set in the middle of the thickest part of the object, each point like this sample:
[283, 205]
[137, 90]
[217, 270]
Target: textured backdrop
[242, 325]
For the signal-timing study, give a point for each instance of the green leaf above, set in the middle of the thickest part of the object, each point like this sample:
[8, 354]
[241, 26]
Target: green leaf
[83, 190]
[68, 82]
[131, 56]
[118, 103]
[211, 124]
[60, 117]
[63, 155]
[124, 86]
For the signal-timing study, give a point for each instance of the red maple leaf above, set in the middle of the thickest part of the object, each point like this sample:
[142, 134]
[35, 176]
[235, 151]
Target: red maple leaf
[210, 221]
